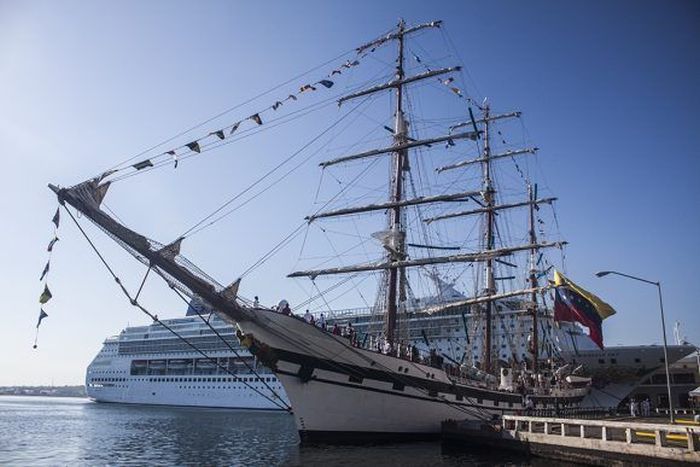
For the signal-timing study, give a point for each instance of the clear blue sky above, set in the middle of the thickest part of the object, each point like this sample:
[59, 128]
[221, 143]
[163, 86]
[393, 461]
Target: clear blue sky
[609, 90]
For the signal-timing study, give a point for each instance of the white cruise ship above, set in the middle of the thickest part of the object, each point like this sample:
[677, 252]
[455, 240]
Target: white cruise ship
[150, 365]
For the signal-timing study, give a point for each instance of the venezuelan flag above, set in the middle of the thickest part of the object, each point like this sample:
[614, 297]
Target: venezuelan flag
[574, 304]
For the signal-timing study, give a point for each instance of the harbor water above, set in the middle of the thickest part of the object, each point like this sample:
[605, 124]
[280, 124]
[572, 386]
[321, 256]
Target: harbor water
[71, 431]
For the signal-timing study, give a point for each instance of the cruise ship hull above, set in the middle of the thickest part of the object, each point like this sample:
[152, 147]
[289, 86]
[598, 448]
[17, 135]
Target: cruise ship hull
[173, 394]
[147, 365]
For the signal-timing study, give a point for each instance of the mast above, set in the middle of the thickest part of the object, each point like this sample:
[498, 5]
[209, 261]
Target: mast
[489, 236]
[396, 282]
[533, 279]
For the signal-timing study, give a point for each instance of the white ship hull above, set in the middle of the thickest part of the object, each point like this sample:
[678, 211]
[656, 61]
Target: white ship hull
[332, 412]
[341, 393]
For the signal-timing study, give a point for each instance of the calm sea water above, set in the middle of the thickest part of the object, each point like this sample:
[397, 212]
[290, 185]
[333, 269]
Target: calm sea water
[66, 431]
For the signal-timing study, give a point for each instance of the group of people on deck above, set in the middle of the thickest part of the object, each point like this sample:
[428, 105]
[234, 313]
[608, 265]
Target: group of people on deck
[401, 350]
[642, 408]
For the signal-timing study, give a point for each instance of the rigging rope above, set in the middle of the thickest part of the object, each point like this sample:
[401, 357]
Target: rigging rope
[270, 172]
[247, 365]
[230, 109]
[155, 319]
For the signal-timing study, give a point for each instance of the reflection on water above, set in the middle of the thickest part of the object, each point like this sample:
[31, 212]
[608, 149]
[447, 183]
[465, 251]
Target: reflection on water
[62, 431]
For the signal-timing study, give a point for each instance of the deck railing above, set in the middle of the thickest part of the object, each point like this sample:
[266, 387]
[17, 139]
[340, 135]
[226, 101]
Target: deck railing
[635, 433]
[679, 411]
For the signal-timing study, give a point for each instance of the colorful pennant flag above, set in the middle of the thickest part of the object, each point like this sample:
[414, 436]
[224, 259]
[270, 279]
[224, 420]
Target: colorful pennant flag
[51, 244]
[56, 217]
[45, 295]
[256, 118]
[42, 315]
[45, 271]
[194, 146]
[143, 164]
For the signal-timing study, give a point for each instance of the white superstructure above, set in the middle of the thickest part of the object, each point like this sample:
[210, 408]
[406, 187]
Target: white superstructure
[150, 365]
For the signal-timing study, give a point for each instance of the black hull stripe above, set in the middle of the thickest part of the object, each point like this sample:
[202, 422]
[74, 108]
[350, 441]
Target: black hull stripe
[419, 383]
[362, 437]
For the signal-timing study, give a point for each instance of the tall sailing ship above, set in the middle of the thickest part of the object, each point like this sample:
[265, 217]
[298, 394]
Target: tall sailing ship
[382, 385]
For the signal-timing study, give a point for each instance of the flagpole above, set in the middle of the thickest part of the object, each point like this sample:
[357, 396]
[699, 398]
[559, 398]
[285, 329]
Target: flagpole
[663, 328]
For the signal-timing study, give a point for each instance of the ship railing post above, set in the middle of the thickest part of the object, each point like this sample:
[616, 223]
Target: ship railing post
[582, 429]
[604, 433]
[563, 429]
[628, 435]
[546, 428]
[691, 439]
[529, 426]
[659, 438]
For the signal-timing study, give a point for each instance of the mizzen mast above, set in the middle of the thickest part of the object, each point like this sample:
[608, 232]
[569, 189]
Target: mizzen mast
[533, 277]
[489, 209]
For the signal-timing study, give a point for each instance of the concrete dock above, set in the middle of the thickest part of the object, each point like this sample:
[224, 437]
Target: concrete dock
[594, 442]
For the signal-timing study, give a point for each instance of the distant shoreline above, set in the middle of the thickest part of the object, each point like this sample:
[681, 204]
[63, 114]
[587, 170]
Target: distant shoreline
[45, 391]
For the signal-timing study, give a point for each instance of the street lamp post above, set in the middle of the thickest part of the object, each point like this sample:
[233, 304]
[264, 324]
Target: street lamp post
[663, 329]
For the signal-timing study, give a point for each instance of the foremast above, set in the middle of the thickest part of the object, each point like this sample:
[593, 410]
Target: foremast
[396, 282]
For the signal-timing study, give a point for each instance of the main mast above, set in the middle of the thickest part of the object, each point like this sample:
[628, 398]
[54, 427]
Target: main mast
[396, 281]
[489, 236]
